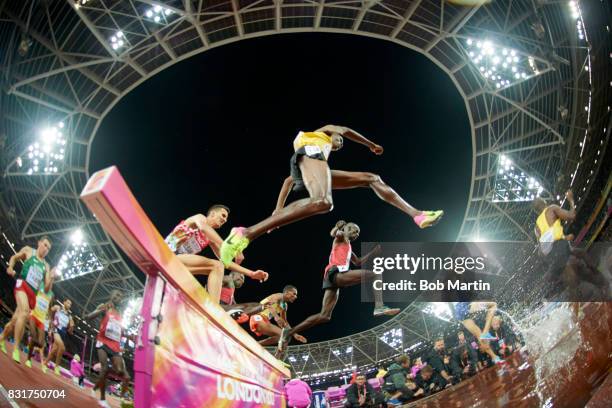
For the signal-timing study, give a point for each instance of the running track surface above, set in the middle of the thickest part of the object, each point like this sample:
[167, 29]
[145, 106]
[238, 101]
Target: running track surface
[15, 376]
[586, 379]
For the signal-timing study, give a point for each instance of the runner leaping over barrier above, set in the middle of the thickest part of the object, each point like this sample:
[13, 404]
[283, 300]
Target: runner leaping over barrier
[189, 351]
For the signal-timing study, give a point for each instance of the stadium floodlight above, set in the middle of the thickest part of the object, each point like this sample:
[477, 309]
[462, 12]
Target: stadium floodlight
[393, 337]
[500, 66]
[158, 14]
[131, 316]
[118, 40]
[292, 359]
[441, 310]
[305, 357]
[45, 156]
[336, 352]
[77, 260]
[512, 184]
[349, 349]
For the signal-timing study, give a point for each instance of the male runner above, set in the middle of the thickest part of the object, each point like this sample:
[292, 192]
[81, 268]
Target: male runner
[310, 171]
[34, 272]
[275, 307]
[239, 311]
[465, 313]
[108, 344]
[39, 317]
[339, 275]
[192, 235]
[63, 324]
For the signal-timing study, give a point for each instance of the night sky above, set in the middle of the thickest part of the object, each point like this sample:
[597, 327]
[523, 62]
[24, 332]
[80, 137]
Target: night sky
[219, 127]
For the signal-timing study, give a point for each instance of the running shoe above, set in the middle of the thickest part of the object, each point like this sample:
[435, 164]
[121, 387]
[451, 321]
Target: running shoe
[235, 243]
[385, 311]
[43, 367]
[287, 365]
[243, 318]
[498, 360]
[57, 370]
[487, 336]
[16, 355]
[28, 363]
[104, 404]
[428, 218]
[394, 402]
[3, 346]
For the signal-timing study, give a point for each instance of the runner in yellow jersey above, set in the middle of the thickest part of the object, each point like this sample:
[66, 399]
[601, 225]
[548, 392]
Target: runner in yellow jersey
[309, 170]
[275, 307]
[552, 240]
[39, 317]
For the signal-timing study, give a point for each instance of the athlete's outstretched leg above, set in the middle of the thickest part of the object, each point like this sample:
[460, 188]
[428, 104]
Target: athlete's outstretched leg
[200, 265]
[330, 298]
[246, 308]
[350, 179]
[317, 180]
[355, 277]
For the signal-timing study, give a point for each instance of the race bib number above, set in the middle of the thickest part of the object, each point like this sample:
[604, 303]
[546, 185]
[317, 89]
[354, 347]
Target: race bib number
[191, 246]
[35, 276]
[62, 320]
[501, 343]
[113, 330]
[312, 150]
[171, 241]
[42, 304]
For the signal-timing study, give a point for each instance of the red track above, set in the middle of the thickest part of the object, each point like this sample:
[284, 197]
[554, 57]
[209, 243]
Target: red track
[15, 376]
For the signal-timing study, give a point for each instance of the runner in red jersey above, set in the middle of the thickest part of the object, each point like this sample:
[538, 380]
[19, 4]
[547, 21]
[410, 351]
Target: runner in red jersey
[108, 343]
[339, 275]
[193, 235]
[239, 311]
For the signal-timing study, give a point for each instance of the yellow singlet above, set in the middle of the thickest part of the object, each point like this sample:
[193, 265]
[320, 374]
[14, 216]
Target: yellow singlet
[278, 308]
[41, 310]
[552, 232]
[315, 139]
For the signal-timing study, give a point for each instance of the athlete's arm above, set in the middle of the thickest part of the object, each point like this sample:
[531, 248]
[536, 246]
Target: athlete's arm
[566, 215]
[199, 221]
[22, 255]
[359, 261]
[354, 136]
[284, 193]
[257, 275]
[98, 312]
[70, 325]
[49, 277]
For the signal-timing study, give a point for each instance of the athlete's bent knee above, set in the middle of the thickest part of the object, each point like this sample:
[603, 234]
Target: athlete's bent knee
[322, 205]
[372, 178]
[218, 267]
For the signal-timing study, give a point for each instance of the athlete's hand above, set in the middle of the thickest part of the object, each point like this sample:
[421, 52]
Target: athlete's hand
[239, 258]
[300, 338]
[377, 249]
[419, 392]
[569, 195]
[10, 271]
[259, 275]
[377, 149]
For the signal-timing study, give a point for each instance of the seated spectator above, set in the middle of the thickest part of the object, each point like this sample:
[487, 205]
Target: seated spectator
[464, 362]
[416, 367]
[435, 359]
[430, 381]
[506, 338]
[361, 395]
[396, 377]
[299, 394]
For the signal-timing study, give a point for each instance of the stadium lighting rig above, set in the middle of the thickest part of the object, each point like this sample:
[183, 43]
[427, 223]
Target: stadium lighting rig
[393, 338]
[159, 14]
[78, 259]
[512, 184]
[47, 154]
